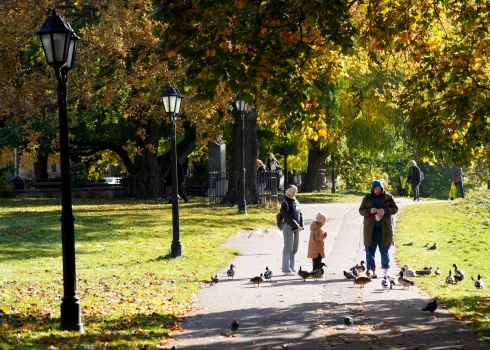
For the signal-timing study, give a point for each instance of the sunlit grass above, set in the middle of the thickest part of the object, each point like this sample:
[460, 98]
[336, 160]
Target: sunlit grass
[131, 292]
[461, 230]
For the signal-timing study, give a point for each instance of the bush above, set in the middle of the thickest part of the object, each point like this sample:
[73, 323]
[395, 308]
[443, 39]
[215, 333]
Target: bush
[78, 172]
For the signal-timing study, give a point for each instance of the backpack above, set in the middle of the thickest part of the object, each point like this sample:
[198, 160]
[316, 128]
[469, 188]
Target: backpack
[422, 175]
[280, 220]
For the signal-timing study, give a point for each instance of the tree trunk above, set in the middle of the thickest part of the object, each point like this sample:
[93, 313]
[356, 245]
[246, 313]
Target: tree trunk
[488, 182]
[250, 146]
[41, 167]
[146, 173]
[316, 161]
[184, 148]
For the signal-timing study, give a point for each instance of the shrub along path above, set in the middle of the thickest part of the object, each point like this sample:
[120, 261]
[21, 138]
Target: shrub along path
[290, 313]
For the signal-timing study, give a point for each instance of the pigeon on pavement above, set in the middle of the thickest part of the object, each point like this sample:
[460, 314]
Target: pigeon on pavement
[348, 321]
[234, 325]
[431, 306]
[214, 280]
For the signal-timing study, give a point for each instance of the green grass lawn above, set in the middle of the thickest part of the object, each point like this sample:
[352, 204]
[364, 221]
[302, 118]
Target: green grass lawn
[461, 229]
[131, 293]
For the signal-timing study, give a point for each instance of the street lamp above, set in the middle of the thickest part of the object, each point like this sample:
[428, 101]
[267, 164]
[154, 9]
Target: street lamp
[59, 45]
[285, 127]
[172, 100]
[241, 107]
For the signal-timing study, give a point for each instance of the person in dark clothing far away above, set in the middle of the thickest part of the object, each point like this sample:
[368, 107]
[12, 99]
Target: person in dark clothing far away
[180, 181]
[414, 179]
[457, 179]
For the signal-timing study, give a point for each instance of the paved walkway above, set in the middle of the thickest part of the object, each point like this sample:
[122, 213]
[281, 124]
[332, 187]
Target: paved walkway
[290, 313]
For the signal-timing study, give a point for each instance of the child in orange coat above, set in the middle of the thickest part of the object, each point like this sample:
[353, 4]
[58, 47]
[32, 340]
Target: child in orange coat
[316, 245]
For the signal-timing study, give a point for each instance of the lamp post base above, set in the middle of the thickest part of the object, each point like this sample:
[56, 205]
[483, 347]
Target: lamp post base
[71, 319]
[176, 249]
[242, 208]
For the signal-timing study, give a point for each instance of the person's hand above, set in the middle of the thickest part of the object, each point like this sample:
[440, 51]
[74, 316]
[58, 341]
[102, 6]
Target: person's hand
[300, 229]
[374, 210]
[380, 211]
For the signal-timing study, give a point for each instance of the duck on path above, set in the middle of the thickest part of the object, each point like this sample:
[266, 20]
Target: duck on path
[362, 281]
[231, 272]
[257, 280]
[268, 273]
[318, 273]
[408, 272]
[405, 282]
[360, 267]
[349, 275]
[303, 274]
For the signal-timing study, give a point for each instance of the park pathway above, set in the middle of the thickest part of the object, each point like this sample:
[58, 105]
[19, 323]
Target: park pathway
[290, 313]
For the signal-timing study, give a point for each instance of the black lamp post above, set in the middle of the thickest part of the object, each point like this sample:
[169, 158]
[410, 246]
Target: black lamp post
[285, 130]
[60, 45]
[172, 100]
[241, 107]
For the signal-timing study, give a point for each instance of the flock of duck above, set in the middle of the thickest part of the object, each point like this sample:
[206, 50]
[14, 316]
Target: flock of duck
[267, 275]
[361, 276]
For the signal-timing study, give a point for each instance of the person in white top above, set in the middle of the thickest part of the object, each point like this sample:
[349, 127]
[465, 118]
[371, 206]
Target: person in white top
[271, 163]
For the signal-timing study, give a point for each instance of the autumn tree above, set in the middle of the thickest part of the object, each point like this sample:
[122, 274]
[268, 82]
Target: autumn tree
[447, 45]
[272, 52]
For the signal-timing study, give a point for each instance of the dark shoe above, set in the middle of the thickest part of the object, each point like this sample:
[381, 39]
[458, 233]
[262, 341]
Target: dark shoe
[452, 198]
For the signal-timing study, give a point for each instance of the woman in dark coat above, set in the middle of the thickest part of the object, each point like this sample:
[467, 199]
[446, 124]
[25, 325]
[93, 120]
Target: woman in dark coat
[377, 208]
[293, 224]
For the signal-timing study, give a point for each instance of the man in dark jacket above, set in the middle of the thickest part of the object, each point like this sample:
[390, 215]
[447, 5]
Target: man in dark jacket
[414, 179]
[180, 181]
[457, 178]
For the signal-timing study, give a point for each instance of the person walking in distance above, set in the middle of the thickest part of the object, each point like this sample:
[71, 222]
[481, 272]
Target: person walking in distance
[457, 179]
[414, 179]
